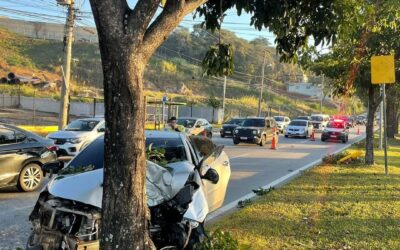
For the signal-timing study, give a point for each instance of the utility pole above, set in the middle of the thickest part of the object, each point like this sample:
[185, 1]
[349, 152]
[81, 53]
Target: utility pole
[262, 85]
[381, 121]
[223, 99]
[69, 37]
[322, 92]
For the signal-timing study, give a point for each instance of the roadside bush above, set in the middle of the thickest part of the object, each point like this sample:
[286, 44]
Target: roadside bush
[219, 240]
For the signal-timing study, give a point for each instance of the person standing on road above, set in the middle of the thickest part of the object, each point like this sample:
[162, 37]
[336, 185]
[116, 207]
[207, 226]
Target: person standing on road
[174, 125]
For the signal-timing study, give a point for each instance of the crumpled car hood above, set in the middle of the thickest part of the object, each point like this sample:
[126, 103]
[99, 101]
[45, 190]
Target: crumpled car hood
[162, 184]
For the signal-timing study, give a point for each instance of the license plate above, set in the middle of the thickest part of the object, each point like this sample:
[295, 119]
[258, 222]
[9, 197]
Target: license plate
[227, 132]
[243, 138]
[333, 136]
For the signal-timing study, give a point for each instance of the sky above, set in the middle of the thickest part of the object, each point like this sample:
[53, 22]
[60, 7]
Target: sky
[49, 11]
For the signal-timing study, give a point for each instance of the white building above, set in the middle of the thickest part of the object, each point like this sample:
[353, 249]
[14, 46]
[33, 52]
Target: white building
[304, 88]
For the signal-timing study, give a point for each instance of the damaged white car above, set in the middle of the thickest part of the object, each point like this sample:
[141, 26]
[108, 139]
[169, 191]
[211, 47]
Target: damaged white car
[189, 181]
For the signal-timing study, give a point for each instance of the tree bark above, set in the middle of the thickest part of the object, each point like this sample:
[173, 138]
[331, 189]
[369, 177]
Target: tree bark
[127, 41]
[391, 110]
[369, 138]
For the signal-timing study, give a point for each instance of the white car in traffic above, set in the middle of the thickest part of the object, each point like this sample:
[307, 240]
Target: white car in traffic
[77, 135]
[299, 128]
[281, 123]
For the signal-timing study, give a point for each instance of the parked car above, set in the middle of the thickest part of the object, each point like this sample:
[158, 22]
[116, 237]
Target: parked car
[257, 130]
[348, 121]
[22, 155]
[305, 118]
[195, 126]
[299, 128]
[335, 130]
[229, 126]
[77, 135]
[319, 121]
[281, 123]
[180, 192]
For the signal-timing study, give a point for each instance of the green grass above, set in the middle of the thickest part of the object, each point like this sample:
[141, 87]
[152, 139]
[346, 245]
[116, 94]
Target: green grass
[329, 207]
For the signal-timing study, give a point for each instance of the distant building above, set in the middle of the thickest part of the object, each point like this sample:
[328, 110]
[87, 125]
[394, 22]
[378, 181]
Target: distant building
[304, 88]
[48, 31]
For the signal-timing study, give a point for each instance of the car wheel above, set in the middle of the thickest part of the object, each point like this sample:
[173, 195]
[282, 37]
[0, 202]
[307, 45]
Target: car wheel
[306, 135]
[209, 135]
[236, 142]
[30, 178]
[222, 135]
[262, 142]
[322, 139]
[286, 136]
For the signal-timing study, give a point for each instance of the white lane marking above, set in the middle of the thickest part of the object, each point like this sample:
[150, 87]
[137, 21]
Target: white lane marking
[232, 205]
[238, 156]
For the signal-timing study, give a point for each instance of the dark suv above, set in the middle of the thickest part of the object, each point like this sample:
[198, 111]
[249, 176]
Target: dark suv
[256, 130]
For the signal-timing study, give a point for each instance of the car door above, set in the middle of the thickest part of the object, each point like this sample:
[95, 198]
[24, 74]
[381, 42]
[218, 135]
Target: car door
[215, 193]
[11, 155]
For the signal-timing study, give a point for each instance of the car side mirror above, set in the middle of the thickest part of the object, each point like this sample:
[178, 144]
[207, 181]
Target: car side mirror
[101, 129]
[211, 175]
[53, 167]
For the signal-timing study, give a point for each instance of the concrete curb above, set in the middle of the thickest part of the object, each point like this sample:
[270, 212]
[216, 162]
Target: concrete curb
[232, 206]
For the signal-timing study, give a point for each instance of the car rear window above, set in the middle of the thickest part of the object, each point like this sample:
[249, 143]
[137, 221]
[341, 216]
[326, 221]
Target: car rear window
[317, 118]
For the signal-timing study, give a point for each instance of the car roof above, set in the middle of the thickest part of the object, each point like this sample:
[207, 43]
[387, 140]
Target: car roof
[10, 126]
[157, 134]
[91, 119]
[300, 120]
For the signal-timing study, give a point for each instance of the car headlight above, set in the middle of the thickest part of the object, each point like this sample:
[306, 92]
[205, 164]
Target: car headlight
[74, 140]
[236, 131]
[255, 132]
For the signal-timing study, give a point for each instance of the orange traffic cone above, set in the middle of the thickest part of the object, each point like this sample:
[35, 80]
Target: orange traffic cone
[274, 143]
[312, 137]
[358, 130]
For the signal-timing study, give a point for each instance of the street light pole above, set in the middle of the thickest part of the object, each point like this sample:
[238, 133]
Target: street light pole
[262, 85]
[322, 92]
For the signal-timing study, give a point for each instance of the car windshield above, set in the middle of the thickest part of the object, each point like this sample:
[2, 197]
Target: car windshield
[253, 123]
[302, 118]
[159, 150]
[317, 118]
[278, 118]
[187, 123]
[234, 121]
[298, 123]
[82, 125]
[335, 125]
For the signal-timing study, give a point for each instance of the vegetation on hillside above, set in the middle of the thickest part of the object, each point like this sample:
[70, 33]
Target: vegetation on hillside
[175, 69]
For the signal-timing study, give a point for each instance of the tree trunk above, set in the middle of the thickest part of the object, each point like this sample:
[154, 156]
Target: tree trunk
[391, 110]
[125, 162]
[369, 138]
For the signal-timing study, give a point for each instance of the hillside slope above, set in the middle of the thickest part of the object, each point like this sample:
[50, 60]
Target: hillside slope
[174, 69]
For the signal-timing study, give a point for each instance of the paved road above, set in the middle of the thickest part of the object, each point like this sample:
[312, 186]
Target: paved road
[252, 166]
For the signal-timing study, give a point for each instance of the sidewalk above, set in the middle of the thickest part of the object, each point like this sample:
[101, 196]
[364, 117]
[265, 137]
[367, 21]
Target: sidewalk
[329, 207]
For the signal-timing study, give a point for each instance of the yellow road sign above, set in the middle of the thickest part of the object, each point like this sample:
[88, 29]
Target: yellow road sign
[382, 69]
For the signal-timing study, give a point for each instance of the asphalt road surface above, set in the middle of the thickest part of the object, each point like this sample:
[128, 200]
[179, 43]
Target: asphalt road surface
[252, 166]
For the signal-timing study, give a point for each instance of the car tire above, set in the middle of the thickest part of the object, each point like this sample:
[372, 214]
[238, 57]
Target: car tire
[209, 135]
[322, 139]
[286, 136]
[262, 142]
[222, 136]
[236, 142]
[30, 178]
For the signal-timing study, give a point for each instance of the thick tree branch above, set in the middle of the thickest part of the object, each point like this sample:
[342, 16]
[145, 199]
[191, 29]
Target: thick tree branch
[173, 13]
[140, 17]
